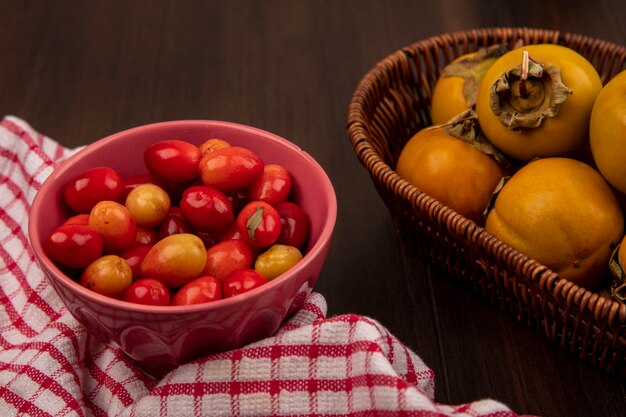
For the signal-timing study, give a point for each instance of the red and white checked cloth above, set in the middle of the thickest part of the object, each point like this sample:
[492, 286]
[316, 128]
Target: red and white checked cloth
[50, 366]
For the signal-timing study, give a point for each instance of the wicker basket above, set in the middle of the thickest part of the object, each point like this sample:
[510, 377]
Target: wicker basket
[390, 104]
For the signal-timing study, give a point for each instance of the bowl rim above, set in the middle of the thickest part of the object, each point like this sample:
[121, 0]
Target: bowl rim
[320, 245]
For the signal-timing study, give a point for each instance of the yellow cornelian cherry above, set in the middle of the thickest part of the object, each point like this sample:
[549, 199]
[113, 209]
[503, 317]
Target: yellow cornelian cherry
[175, 260]
[277, 260]
[148, 204]
[108, 275]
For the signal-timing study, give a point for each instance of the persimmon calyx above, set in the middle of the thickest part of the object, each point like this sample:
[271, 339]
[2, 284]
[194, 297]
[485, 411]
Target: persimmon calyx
[526, 94]
[618, 289]
[473, 68]
[465, 127]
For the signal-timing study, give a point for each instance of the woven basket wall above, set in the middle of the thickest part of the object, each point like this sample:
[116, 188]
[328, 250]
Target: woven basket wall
[390, 104]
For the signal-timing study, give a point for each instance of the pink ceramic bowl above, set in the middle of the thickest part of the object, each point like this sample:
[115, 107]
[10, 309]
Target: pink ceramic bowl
[160, 338]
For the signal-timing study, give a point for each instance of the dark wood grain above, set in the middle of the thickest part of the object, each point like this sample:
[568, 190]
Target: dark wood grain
[78, 71]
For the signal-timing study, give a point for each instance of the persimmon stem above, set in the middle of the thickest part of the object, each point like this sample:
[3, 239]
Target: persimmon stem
[523, 90]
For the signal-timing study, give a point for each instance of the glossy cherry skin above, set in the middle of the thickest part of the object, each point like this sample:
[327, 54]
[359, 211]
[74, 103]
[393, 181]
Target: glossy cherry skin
[134, 255]
[173, 160]
[277, 260]
[148, 204]
[211, 145]
[175, 260]
[294, 222]
[175, 211]
[225, 257]
[90, 187]
[273, 186]
[130, 183]
[108, 275]
[231, 168]
[208, 238]
[174, 224]
[73, 245]
[259, 224]
[231, 233]
[201, 290]
[146, 236]
[79, 219]
[238, 199]
[206, 208]
[240, 281]
[147, 291]
[115, 224]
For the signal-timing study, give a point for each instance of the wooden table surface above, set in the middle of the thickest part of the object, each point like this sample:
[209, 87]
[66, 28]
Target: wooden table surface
[78, 71]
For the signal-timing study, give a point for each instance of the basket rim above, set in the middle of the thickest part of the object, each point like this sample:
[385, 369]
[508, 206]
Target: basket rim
[532, 271]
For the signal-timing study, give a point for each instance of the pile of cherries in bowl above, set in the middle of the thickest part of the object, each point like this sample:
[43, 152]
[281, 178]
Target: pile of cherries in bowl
[203, 223]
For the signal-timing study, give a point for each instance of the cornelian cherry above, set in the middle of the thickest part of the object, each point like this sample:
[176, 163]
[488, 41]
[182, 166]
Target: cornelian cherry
[92, 186]
[206, 208]
[242, 280]
[201, 290]
[273, 186]
[259, 223]
[173, 160]
[73, 245]
[147, 291]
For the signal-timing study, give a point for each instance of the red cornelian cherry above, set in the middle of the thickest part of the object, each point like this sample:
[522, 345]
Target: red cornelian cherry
[147, 291]
[90, 187]
[242, 280]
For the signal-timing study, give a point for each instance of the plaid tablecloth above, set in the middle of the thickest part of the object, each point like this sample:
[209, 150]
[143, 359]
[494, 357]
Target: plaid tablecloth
[315, 365]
